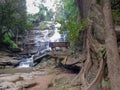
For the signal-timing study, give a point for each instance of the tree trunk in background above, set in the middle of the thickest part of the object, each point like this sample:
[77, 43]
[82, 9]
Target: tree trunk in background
[82, 8]
[113, 60]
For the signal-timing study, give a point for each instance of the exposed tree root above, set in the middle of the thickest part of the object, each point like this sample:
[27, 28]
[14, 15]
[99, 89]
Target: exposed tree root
[81, 79]
[93, 85]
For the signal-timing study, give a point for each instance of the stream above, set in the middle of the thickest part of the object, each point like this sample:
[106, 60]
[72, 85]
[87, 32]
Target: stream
[36, 43]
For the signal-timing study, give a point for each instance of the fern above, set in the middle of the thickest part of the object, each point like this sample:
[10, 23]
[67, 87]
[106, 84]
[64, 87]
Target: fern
[7, 40]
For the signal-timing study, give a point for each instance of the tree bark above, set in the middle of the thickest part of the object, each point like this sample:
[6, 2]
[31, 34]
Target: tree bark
[113, 60]
[83, 8]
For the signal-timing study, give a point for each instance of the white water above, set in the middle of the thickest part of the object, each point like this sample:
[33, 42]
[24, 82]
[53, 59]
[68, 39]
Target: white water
[42, 39]
[26, 62]
[56, 36]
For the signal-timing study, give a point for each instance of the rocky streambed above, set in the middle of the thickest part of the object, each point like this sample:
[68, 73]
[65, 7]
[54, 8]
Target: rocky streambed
[19, 81]
[7, 60]
[12, 78]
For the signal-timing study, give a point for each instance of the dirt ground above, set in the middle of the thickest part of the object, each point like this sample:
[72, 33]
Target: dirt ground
[57, 80]
[42, 82]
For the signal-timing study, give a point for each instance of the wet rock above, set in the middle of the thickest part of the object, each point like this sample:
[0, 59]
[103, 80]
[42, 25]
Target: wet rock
[7, 61]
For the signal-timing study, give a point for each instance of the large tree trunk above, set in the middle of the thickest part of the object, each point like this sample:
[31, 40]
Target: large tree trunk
[113, 60]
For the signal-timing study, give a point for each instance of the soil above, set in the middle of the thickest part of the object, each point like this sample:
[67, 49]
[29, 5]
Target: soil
[57, 79]
[42, 82]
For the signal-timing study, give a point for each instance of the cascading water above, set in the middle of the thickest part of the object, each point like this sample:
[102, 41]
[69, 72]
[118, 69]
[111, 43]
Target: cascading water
[27, 62]
[33, 45]
[38, 42]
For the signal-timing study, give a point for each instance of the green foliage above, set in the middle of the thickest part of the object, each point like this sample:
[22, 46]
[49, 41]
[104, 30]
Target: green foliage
[69, 21]
[70, 8]
[66, 9]
[7, 16]
[30, 19]
[49, 15]
[74, 29]
[44, 14]
[7, 40]
[28, 26]
[10, 15]
[116, 16]
[12, 19]
[115, 5]
[46, 25]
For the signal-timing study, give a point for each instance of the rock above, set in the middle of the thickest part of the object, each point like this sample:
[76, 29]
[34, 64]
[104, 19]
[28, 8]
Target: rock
[27, 76]
[16, 70]
[4, 75]
[12, 78]
[20, 84]
[16, 88]
[29, 84]
[25, 84]
[16, 82]
[38, 73]
[6, 85]
[16, 50]
[9, 62]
